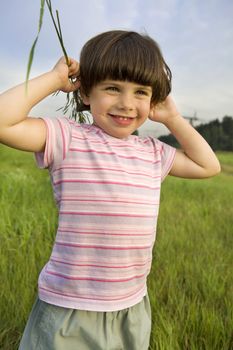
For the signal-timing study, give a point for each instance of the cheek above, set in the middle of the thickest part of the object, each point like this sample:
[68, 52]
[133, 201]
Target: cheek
[145, 108]
[101, 104]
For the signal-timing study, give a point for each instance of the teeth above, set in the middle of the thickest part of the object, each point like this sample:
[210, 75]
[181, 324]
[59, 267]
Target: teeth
[121, 117]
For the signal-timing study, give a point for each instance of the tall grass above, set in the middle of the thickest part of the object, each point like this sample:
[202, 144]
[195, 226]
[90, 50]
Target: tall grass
[27, 225]
[191, 282]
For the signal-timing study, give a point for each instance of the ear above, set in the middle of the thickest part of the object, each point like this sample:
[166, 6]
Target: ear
[152, 108]
[85, 98]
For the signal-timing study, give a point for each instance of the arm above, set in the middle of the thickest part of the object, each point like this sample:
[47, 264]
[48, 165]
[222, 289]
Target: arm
[197, 159]
[19, 131]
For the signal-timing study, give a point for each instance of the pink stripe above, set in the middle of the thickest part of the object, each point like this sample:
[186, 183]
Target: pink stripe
[63, 139]
[106, 214]
[117, 145]
[170, 164]
[112, 153]
[104, 183]
[102, 197]
[95, 279]
[102, 266]
[105, 234]
[108, 169]
[78, 296]
[104, 201]
[48, 150]
[73, 245]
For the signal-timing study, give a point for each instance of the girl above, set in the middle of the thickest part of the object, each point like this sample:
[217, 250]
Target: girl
[106, 182]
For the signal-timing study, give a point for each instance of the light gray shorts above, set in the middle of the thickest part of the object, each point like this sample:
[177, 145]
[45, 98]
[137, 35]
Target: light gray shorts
[51, 327]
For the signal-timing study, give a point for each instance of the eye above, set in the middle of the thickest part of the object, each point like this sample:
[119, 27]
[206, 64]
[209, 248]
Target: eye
[141, 92]
[112, 88]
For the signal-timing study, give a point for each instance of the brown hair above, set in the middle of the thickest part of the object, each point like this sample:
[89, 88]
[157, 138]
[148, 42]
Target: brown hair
[128, 56]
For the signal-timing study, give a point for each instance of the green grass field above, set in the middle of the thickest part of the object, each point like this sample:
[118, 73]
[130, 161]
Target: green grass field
[191, 282]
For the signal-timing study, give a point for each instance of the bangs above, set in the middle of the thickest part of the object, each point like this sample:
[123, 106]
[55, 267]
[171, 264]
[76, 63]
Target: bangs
[125, 56]
[126, 61]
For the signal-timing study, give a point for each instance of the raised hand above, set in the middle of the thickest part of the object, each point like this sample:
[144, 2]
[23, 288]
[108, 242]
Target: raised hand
[163, 112]
[67, 74]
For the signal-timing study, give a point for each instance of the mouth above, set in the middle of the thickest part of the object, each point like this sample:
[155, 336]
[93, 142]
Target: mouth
[121, 119]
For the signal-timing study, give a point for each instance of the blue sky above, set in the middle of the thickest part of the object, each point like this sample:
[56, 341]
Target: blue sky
[196, 38]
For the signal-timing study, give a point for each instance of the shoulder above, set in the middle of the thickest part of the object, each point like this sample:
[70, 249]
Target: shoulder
[151, 142]
[65, 125]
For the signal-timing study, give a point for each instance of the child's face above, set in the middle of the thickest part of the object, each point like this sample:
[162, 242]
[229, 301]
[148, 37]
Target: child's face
[119, 107]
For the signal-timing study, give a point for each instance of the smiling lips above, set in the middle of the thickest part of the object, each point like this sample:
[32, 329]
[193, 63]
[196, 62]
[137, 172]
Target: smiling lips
[122, 120]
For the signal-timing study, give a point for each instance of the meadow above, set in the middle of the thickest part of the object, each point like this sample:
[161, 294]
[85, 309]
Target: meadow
[191, 282]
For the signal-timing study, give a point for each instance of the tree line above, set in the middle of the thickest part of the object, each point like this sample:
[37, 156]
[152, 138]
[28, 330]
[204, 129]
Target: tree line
[219, 134]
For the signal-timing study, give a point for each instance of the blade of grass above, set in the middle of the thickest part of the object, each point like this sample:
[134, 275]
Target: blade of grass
[58, 30]
[59, 25]
[31, 54]
[75, 100]
[41, 14]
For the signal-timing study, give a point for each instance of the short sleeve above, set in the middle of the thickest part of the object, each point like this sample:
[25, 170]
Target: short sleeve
[58, 139]
[167, 154]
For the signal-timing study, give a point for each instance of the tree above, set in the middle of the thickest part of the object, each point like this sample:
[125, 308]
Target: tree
[218, 134]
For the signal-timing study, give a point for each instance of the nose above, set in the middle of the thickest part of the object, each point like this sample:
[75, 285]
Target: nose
[126, 102]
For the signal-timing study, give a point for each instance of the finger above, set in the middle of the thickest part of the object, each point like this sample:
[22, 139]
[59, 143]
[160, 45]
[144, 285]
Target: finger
[151, 114]
[73, 63]
[74, 72]
[75, 84]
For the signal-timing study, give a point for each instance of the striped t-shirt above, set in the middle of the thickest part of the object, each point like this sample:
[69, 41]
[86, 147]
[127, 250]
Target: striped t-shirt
[107, 191]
